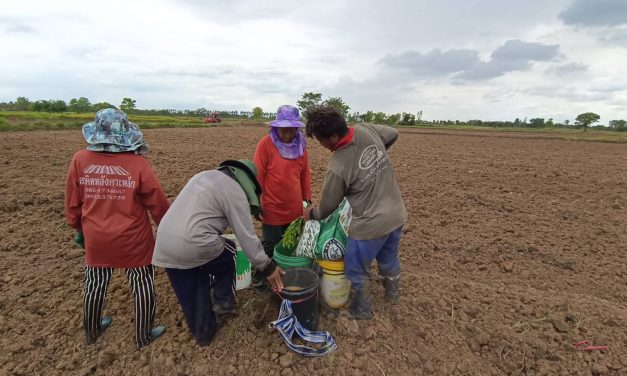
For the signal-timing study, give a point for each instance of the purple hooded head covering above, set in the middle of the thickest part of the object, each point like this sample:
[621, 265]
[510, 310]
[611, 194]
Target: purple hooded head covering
[288, 117]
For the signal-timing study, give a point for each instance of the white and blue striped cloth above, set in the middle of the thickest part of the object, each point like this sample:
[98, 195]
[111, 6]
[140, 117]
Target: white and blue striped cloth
[287, 324]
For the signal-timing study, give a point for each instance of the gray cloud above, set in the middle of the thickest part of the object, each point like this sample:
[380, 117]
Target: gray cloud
[568, 68]
[493, 68]
[372, 25]
[514, 55]
[570, 93]
[515, 49]
[609, 87]
[434, 63]
[614, 36]
[11, 25]
[595, 13]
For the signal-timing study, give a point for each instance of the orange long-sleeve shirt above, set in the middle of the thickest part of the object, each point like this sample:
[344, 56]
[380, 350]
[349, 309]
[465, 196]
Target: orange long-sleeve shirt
[107, 196]
[285, 183]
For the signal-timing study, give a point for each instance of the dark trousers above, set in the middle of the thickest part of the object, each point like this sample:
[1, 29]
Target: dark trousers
[142, 282]
[271, 236]
[193, 290]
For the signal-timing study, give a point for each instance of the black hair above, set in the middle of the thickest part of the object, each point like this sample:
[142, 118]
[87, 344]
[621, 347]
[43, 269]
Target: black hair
[323, 121]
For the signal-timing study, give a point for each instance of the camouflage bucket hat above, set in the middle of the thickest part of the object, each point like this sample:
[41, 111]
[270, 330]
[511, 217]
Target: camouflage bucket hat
[112, 132]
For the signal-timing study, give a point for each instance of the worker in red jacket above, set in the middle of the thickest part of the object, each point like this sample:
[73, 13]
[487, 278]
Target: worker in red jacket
[109, 191]
[284, 176]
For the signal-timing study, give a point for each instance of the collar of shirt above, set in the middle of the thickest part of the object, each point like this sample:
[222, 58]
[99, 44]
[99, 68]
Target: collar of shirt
[348, 137]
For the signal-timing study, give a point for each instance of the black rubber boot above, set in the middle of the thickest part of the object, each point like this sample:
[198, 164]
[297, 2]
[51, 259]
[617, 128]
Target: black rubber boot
[260, 285]
[360, 307]
[221, 309]
[391, 289]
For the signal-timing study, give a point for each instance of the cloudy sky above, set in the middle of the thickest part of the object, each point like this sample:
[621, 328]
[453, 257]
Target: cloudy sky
[451, 59]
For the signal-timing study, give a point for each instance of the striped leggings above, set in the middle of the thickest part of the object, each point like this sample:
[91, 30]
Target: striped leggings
[142, 282]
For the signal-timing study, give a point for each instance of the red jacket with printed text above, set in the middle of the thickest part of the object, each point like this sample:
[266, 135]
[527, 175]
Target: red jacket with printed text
[108, 197]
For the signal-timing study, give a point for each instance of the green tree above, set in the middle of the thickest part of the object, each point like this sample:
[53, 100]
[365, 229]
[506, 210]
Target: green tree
[353, 118]
[308, 101]
[393, 119]
[618, 125]
[379, 118]
[338, 103]
[101, 106]
[257, 113]
[127, 104]
[57, 106]
[367, 117]
[39, 106]
[81, 104]
[48, 106]
[585, 119]
[536, 123]
[22, 104]
[408, 119]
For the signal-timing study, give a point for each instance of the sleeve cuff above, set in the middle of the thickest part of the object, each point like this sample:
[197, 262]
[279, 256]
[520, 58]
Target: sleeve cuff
[270, 268]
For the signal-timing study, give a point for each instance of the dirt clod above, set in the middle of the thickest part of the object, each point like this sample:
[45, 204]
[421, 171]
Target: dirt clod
[599, 369]
[560, 325]
[286, 360]
[105, 358]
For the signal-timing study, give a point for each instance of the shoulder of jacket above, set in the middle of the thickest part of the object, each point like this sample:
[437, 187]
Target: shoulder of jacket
[81, 153]
[266, 140]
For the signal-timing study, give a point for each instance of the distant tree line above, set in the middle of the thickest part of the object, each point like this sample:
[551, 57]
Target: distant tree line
[308, 100]
[585, 120]
[83, 105]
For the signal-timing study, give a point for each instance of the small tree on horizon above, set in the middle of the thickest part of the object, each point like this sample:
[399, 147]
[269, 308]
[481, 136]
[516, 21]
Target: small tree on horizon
[338, 103]
[101, 106]
[257, 113]
[127, 104]
[79, 105]
[22, 104]
[307, 101]
[585, 119]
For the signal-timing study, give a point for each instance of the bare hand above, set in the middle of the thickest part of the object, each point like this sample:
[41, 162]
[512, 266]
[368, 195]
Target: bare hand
[307, 213]
[274, 279]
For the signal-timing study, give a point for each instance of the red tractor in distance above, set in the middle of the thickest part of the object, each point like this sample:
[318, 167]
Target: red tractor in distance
[213, 118]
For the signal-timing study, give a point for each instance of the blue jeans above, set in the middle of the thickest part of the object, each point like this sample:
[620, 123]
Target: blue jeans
[361, 253]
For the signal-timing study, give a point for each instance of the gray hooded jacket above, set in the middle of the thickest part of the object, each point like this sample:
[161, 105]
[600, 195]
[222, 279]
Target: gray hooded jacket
[189, 235]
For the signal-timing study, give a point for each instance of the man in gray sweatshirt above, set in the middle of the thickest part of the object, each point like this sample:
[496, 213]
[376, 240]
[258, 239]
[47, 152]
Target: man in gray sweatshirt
[198, 260]
[361, 171]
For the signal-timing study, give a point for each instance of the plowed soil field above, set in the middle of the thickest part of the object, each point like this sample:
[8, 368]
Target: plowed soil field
[515, 248]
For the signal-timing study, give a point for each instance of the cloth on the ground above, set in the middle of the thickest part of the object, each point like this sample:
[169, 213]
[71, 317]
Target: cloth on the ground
[288, 325]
